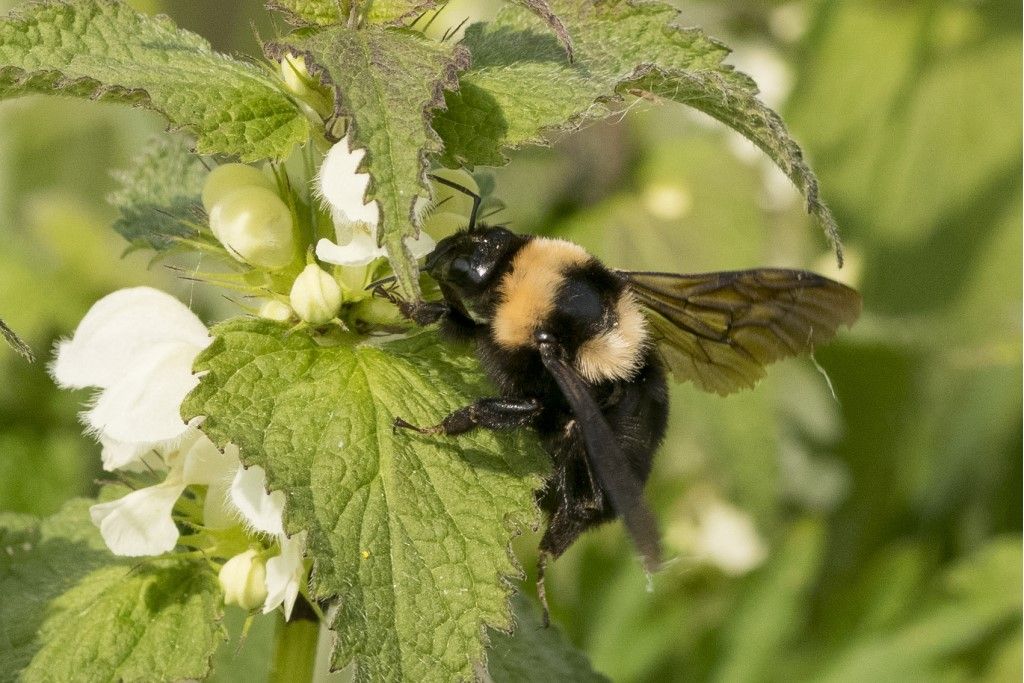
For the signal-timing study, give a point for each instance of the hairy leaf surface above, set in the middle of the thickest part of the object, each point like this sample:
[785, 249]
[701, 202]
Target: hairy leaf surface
[536, 653]
[410, 533]
[386, 81]
[73, 611]
[159, 195]
[312, 12]
[105, 50]
[522, 87]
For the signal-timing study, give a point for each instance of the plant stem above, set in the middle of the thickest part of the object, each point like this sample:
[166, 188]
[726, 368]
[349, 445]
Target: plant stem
[295, 647]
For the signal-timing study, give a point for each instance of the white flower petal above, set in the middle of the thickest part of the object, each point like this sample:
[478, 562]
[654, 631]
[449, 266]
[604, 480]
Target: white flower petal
[139, 523]
[342, 189]
[204, 463]
[117, 329]
[262, 511]
[218, 511]
[139, 456]
[285, 573]
[729, 540]
[361, 250]
[144, 405]
[420, 246]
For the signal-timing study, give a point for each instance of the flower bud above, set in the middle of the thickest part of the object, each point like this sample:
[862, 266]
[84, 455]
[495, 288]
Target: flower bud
[255, 226]
[449, 199]
[298, 82]
[276, 310]
[227, 178]
[244, 580]
[315, 296]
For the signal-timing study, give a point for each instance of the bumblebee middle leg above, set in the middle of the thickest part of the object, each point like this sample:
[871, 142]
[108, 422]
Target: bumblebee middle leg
[490, 413]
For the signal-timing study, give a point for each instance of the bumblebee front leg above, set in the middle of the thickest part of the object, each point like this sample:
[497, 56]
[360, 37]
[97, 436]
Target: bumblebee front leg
[420, 312]
[490, 413]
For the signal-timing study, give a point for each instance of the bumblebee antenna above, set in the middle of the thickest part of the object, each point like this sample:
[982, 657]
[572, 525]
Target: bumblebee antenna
[466, 191]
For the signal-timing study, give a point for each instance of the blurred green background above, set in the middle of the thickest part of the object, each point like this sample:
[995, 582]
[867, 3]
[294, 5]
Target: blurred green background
[872, 535]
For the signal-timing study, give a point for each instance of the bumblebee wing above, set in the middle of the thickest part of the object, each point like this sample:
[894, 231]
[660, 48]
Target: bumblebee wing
[719, 330]
[608, 462]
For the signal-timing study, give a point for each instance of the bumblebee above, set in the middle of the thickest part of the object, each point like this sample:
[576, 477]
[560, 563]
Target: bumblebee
[580, 353]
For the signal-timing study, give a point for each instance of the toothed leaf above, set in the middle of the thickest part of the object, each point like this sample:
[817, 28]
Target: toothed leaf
[536, 653]
[521, 87]
[16, 342]
[312, 12]
[159, 197]
[73, 611]
[399, 12]
[408, 532]
[386, 80]
[105, 50]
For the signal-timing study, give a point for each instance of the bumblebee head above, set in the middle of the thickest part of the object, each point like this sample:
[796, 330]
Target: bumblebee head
[467, 264]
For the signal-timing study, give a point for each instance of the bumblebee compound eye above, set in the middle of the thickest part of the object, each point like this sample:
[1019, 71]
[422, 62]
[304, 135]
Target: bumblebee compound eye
[460, 268]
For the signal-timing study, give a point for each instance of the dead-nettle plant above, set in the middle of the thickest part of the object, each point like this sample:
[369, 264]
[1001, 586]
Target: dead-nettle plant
[255, 461]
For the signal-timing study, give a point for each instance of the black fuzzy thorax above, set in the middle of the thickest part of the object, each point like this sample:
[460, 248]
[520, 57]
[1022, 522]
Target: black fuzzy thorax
[636, 409]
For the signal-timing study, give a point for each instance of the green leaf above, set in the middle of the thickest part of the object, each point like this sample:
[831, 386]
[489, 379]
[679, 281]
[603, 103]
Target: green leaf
[535, 652]
[542, 10]
[159, 197]
[100, 49]
[762, 626]
[386, 81]
[16, 342]
[410, 533]
[312, 12]
[521, 87]
[398, 12]
[73, 611]
[977, 605]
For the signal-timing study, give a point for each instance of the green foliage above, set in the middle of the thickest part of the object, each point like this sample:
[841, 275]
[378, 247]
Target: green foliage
[891, 514]
[386, 81]
[521, 87]
[535, 652]
[312, 12]
[15, 342]
[81, 612]
[410, 534]
[398, 12]
[159, 195]
[104, 50]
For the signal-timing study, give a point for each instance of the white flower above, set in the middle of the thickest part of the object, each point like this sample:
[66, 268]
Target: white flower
[244, 580]
[285, 573]
[262, 511]
[141, 522]
[315, 295]
[137, 346]
[342, 189]
[718, 534]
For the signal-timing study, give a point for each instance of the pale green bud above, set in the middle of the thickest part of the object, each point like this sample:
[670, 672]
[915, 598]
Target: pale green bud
[244, 580]
[298, 81]
[276, 310]
[315, 296]
[227, 178]
[255, 226]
